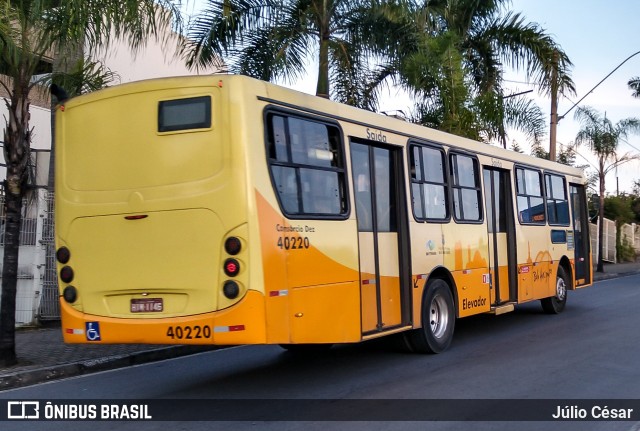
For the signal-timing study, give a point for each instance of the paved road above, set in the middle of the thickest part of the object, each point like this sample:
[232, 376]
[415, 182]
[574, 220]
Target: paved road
[591, 351]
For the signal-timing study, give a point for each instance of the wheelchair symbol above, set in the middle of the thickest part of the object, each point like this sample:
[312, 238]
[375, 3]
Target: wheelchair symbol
[92, 331]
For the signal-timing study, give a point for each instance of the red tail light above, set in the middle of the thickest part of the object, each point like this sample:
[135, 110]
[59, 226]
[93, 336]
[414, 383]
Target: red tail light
[231, 267]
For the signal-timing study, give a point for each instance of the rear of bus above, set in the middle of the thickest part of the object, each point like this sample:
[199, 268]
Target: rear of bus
[151, 217]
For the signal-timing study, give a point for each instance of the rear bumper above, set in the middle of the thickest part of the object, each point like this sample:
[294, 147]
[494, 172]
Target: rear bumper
[242, 323]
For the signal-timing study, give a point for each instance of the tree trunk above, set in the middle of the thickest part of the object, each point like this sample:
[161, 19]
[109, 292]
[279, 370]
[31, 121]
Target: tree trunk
[322, 89]
[13, 211]
[600, 267]
[16, 150]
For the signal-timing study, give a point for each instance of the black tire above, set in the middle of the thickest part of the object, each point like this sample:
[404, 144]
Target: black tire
[438, 319]
[555, 304]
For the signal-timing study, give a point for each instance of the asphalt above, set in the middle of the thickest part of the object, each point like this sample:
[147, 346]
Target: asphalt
[43, 356]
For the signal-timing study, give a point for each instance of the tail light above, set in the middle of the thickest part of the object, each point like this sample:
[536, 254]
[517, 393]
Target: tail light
[231, 267]
[63, 255]
[231, 289]
[232, 245]
[66, 274]
[70, 294]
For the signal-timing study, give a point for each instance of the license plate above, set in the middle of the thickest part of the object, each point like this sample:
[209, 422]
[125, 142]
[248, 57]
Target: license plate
[147, 305]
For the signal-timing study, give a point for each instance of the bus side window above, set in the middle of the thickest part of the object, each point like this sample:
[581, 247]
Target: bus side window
[557, 202]
[306, 164]
[466, 188]
[428, 183]
[529, 196]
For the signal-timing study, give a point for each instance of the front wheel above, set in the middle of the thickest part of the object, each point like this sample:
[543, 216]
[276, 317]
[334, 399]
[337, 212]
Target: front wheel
[555, 304]
[438, 319]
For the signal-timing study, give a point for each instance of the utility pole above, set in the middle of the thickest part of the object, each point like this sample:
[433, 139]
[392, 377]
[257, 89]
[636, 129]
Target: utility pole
[554, 107]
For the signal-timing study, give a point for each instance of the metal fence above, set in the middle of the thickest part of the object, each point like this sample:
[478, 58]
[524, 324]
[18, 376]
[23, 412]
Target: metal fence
[31, 256]
[628, 232]
[608, 241]
[49, 305]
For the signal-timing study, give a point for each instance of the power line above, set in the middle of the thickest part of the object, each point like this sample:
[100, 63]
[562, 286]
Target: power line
[598, 84]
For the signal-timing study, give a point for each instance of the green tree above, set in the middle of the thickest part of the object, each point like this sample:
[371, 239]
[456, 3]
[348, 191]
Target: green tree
[85, 76]
[273, 38]
[30, 31]
[451, 55]
[602, 136]
[634, 84]
[566, 156]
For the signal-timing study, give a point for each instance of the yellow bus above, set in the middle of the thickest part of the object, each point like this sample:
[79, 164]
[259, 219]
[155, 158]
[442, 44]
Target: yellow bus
[225, 210]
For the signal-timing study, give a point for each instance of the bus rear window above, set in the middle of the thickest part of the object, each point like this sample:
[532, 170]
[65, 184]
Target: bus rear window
[184, 114]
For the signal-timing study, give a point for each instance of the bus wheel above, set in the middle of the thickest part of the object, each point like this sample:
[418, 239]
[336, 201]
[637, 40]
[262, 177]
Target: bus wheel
[555, 304]
[438, 319]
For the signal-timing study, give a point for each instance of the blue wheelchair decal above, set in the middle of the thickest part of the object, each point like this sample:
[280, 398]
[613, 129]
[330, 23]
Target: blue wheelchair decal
[92, 331]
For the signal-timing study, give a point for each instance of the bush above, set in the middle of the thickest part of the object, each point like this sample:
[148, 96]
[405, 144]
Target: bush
[625, 251]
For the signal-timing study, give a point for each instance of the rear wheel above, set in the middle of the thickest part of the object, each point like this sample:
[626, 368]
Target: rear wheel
[438, 319]
[555, 304]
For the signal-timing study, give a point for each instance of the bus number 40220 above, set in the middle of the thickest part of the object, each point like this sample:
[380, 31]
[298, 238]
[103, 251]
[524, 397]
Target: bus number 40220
[189, 332]
[293, 243]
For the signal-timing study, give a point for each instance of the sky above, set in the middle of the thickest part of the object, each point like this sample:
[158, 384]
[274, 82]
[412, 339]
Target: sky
[597, 35]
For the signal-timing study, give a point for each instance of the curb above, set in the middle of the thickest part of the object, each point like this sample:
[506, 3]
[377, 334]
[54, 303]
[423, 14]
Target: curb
[31, 377]
[602, 276]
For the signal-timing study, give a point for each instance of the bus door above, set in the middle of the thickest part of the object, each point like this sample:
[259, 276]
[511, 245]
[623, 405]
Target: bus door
[380, 203]
[580, 234]
[501, 238]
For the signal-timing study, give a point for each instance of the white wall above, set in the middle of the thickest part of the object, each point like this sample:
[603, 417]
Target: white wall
[152, 61]
[40, 123]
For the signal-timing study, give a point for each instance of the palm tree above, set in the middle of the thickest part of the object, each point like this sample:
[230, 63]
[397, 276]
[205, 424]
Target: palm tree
[452, 56]
[602, 137]
[634, 84]
[273, 39]
[29, 32]
[85, 76]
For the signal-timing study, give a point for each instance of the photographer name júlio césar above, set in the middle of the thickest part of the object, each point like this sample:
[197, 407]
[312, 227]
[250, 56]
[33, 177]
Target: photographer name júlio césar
[595, 412]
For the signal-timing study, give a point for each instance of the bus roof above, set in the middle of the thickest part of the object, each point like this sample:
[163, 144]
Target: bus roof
[293, 99]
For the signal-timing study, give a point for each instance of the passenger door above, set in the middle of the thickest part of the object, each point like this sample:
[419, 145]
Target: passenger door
[501, 231]
[581, 234]
[381, 213]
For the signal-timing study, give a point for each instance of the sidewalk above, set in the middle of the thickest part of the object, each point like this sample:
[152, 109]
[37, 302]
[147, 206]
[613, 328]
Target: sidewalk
[43, 356]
